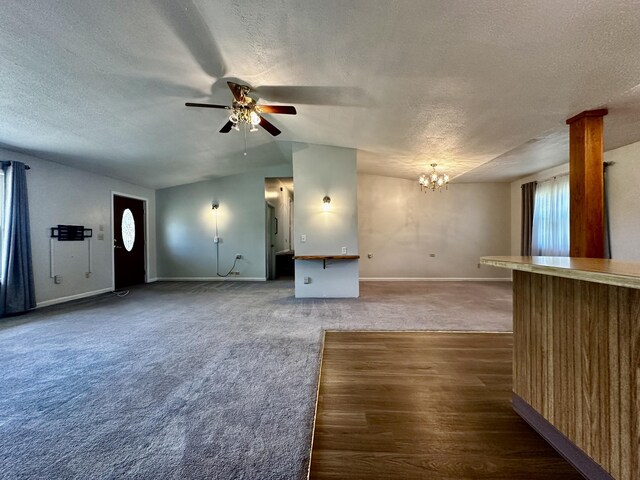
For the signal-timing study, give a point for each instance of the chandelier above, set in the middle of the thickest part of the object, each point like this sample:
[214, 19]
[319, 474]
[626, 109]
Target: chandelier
[433, 181]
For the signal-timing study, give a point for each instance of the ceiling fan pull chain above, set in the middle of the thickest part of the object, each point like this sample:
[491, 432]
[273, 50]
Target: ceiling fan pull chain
[244, 129]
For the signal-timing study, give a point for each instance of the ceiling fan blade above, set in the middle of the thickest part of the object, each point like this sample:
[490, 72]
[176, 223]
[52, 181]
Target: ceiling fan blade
[192, 29]
[315, 95]
[227, 127]
[236, 90]
[283, 109]
[269, 127]
[206, 105]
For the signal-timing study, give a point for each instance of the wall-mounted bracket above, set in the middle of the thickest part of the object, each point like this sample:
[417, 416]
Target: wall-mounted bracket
[324, 258]
[71, 233]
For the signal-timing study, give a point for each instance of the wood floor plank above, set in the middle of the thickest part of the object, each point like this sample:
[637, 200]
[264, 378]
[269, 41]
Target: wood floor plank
[422, 405]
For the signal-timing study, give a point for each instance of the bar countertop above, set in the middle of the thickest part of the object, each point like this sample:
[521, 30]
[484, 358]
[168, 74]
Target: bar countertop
[598, 270]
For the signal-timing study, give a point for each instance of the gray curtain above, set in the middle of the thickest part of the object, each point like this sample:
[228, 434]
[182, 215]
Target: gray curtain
[526, 229]
[17, 292]
[607, 226]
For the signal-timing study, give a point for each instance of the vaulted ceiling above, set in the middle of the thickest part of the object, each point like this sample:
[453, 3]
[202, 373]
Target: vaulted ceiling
[480, 87]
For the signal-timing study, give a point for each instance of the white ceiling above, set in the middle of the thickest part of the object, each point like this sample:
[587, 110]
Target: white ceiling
[101, 85]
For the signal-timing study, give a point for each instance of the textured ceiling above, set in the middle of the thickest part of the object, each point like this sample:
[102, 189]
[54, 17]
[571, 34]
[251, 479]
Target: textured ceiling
[101, 85]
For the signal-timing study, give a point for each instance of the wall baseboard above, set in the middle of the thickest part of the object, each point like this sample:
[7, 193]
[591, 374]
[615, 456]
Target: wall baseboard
[432, 279]
[211, 279]
[554, 437]
[55, 301]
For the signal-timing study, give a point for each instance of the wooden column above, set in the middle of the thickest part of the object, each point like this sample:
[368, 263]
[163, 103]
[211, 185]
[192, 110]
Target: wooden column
[586, 155]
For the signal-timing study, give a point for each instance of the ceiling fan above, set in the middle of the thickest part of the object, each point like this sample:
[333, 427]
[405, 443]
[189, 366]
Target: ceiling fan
[245, 111]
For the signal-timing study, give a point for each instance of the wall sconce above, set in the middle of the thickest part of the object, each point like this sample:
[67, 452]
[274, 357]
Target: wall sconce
[326, 203]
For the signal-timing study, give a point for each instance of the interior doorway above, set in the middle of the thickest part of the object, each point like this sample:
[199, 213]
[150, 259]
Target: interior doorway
[279, 201]
[270, 241]
[129, 251]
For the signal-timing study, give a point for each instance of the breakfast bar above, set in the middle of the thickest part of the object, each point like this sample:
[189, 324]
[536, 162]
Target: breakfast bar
[576, 362]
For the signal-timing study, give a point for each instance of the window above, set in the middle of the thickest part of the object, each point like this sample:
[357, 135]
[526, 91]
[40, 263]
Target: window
[551, 218]
[128, 229]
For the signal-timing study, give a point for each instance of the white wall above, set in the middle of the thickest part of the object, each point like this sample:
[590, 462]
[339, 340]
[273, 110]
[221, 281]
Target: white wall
[516, 201]
[401, 226]
[623, 183]
[65, 195]
[186, 226]
[318, 171]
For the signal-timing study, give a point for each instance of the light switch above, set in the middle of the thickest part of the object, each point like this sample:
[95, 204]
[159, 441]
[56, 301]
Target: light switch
[303, 238]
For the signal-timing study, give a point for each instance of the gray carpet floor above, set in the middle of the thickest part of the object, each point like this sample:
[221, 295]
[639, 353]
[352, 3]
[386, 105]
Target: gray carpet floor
[194, 380]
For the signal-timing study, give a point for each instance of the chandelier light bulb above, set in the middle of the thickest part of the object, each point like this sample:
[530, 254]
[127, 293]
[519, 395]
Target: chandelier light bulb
[254, 118]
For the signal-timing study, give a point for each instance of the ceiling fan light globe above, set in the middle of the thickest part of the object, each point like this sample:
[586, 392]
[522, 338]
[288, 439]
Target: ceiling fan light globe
[255, 118]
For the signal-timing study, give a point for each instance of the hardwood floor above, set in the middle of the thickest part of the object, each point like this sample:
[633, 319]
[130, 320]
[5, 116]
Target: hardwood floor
[422, 405]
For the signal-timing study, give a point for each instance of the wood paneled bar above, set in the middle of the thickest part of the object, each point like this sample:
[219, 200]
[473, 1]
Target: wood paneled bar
[576, 363]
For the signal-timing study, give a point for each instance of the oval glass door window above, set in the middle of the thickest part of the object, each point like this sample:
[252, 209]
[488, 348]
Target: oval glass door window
[128, 229]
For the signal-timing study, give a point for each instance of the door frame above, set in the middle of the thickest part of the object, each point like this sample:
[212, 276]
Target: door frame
[270, 267]
[146, 236]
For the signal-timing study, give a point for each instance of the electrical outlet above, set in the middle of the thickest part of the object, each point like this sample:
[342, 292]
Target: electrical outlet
[235, 273]
[57, 279]
[307, 280]
[478, 265]
[344, 250]
[303, 238]
[238, 256]
[87, 274]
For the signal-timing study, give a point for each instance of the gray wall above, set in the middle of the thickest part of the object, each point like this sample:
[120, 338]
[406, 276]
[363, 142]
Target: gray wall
[318, 171]
[65, 195]
[186, 226]
[401, 226]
